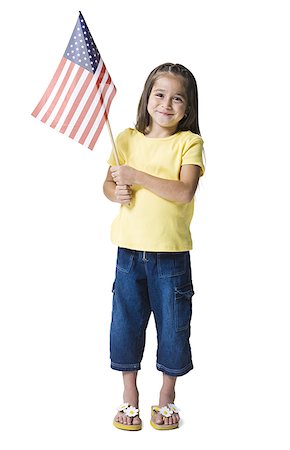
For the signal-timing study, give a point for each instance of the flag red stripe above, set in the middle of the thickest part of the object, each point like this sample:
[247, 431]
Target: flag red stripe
[49, 89]
[104, 118]
[58, 94]
[67, 97]
[97, 133]
[76, 103]
[88, 104]
[94, 115]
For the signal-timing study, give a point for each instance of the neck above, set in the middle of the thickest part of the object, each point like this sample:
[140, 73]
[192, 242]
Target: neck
[153, 132]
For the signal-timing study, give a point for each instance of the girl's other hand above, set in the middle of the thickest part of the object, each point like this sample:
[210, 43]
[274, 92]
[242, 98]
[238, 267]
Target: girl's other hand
[123, 175]
[123, 194]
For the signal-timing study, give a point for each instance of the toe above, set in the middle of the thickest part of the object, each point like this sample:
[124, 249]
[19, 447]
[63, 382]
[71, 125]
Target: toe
[136, 420]
[159, 419]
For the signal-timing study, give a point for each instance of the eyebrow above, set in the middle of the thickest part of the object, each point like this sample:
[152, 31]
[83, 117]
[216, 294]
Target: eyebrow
[164, 90]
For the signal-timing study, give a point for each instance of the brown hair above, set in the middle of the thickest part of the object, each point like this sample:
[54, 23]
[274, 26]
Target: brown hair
[190, 120]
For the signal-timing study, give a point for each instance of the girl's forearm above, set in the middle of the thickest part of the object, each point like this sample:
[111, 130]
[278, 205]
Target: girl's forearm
[181, 190]
[175, 191]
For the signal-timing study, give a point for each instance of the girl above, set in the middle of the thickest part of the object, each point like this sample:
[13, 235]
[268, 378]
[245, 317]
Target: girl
[160, 165]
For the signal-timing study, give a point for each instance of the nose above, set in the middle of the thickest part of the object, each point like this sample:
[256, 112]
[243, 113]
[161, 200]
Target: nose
[166, 103]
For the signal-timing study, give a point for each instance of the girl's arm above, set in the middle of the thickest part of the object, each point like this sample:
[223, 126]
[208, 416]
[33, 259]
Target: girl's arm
[181, 191]
[116, 193]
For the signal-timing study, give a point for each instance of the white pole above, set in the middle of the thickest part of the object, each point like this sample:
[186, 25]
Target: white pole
[113, 142]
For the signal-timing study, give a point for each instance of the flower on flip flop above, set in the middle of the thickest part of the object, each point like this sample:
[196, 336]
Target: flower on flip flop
[165, 411]
[131, 411]
[123, 406]
[173, 408]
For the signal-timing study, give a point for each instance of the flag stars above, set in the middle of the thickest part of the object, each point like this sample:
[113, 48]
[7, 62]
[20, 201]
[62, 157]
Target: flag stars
[81, 49]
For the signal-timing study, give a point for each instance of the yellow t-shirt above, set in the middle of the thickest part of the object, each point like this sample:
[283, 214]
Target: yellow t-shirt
[151, 223]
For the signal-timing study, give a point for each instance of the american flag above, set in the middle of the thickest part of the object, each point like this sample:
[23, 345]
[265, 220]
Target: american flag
[79, 96]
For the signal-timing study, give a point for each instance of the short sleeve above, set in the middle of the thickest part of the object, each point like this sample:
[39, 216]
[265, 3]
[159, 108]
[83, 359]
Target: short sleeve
[112, 161]
[192, 154]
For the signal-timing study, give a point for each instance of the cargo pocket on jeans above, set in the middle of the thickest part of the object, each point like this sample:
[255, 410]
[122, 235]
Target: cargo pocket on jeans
[114, 305]
[183, 306]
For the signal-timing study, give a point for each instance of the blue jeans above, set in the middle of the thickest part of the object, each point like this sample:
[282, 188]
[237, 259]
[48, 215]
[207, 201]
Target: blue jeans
[157, 282]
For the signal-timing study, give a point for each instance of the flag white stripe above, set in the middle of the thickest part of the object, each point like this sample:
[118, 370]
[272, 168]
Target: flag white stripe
[99, 117]
[72, 99]
[46, 106]
[92, 108]
[63, 95]
[83, 100]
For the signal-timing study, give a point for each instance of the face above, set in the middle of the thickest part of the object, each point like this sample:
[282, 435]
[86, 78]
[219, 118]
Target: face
[166, 104]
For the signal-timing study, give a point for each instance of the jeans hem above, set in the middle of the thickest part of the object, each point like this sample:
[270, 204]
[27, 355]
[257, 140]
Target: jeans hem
[126, 367]
[174, 372]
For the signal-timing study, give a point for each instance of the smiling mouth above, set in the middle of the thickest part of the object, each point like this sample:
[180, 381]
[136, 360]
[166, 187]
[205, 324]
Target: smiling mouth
[164, 113]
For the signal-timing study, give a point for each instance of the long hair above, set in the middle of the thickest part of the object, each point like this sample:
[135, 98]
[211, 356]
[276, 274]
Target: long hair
[190, 120]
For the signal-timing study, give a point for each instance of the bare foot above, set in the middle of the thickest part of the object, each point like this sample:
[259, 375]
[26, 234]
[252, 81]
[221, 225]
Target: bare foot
[167, 396]
[130, 397]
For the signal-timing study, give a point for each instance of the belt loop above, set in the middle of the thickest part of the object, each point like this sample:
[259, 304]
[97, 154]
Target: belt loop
[144, 257]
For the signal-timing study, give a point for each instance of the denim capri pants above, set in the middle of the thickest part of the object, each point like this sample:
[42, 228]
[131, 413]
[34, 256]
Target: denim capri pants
[148, 282]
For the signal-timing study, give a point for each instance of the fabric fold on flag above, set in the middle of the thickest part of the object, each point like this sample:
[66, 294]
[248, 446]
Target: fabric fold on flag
[78, 98]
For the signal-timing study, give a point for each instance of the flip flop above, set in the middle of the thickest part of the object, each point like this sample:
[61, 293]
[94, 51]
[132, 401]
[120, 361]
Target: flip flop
[129, 411]
[165, 411]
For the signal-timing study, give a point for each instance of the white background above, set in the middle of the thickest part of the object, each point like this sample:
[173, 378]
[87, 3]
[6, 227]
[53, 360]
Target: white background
[57, 261]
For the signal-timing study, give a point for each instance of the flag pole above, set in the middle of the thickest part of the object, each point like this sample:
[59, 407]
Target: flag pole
[113, 142]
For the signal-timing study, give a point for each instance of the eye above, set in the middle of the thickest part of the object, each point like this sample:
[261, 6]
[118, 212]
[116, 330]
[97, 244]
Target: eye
[178, 99]
[159, 94]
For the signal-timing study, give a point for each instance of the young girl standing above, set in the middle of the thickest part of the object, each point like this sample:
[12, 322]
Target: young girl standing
[160, 165]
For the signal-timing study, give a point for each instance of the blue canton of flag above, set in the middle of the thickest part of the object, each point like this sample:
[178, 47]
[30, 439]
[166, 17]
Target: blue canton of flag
[81, 48]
